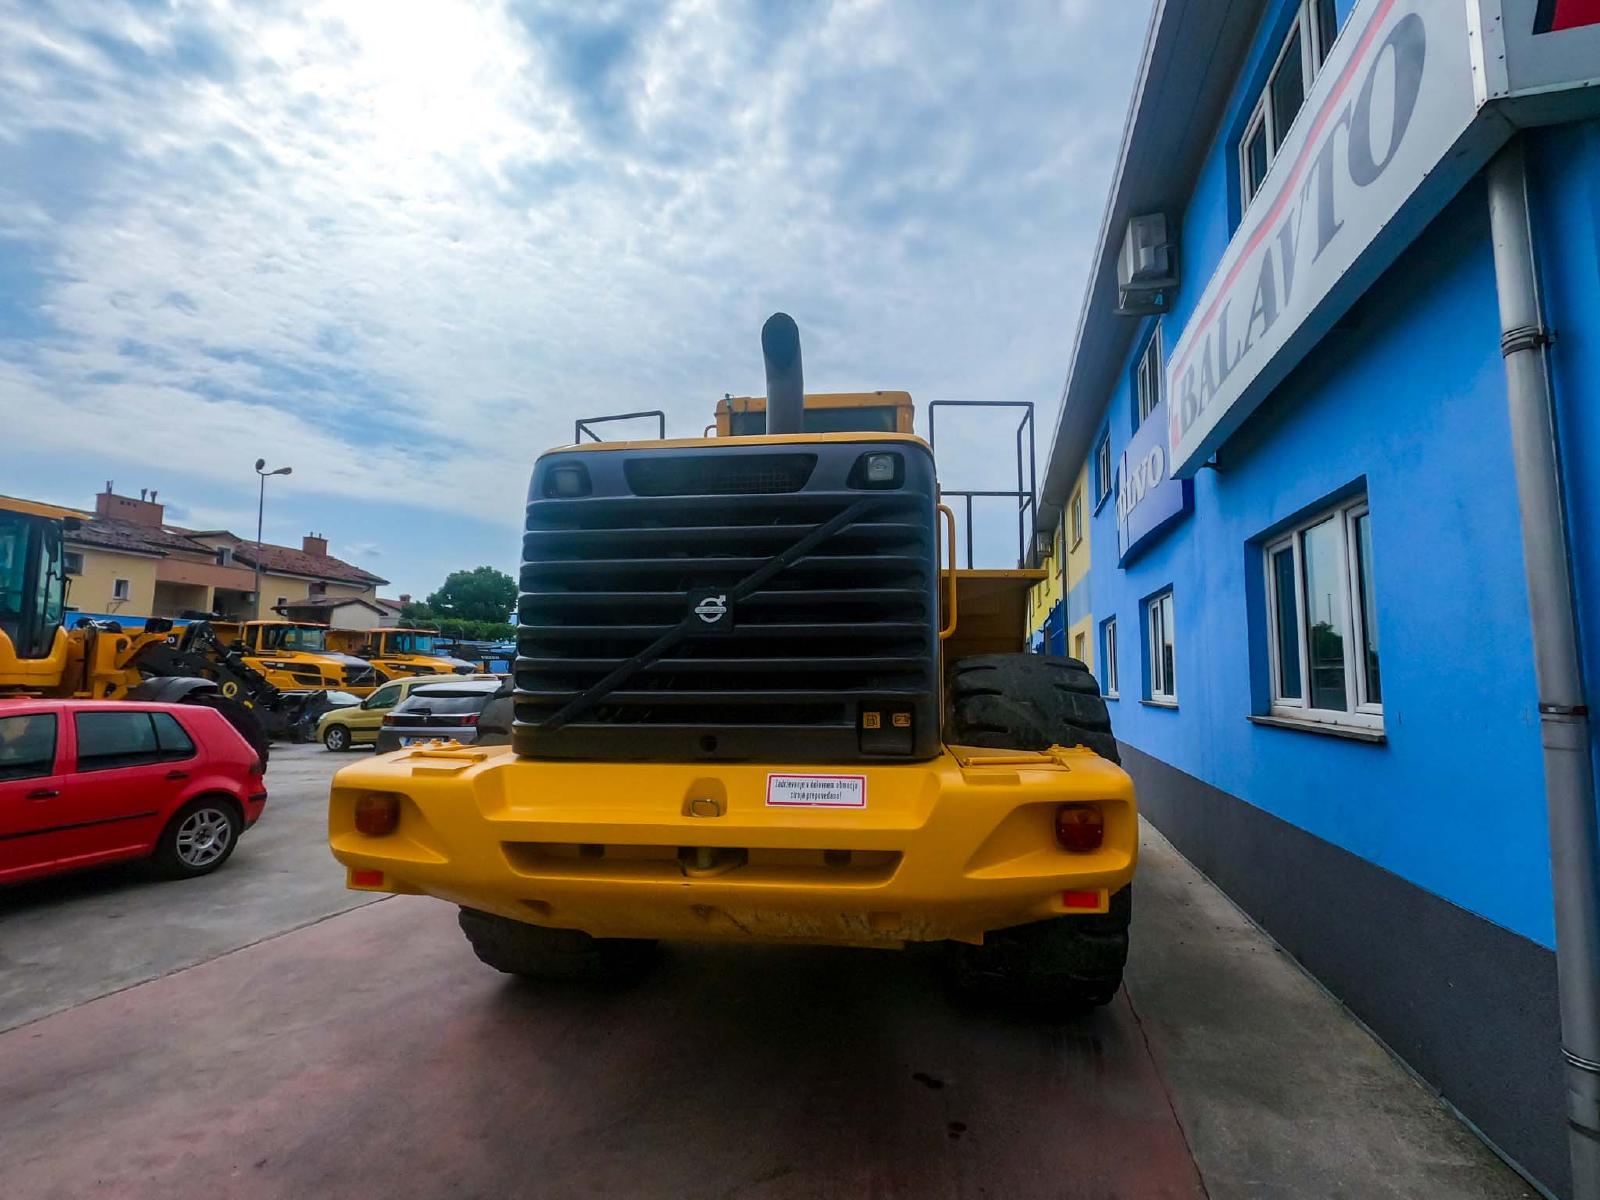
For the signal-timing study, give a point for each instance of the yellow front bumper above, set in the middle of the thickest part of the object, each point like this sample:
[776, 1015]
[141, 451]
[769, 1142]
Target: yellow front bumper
[950, 848]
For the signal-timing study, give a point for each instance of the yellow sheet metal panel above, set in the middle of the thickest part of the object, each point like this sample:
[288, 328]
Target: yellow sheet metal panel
[991, 612]
[946, 849]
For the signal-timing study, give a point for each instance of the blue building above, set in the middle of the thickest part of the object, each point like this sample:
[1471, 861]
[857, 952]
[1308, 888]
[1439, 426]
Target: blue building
[1309, 408]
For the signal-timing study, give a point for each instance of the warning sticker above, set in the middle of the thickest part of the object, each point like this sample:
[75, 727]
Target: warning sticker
[817, 791]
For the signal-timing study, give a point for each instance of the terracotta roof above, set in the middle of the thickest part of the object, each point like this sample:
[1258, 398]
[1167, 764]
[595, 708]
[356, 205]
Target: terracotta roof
[388, 605]
[112, 534]
[332, 602]
[298, 562]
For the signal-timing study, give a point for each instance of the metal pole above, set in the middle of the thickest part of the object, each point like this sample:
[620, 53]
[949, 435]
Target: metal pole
[1563, 717]
[261, 506]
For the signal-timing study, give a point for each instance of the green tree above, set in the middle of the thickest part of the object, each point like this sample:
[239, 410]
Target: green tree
[483, 594]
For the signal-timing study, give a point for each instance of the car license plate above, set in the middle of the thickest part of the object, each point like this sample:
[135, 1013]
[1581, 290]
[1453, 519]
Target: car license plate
[411, 741]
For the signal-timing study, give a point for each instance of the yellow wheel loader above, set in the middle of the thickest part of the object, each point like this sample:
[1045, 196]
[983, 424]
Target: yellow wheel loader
[399, 653]
[297, 655]
[100, 660]
[752, 704]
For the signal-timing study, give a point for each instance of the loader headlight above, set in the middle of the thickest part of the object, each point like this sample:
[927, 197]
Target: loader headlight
[565, 482]
[879, 469]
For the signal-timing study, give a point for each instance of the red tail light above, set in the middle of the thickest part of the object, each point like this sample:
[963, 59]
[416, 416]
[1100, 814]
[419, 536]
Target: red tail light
[1080, 827]
[377, 813]
[470, 719]
[388, 719]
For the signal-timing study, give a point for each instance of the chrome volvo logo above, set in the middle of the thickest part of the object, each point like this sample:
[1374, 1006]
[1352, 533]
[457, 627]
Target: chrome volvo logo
[712, 609]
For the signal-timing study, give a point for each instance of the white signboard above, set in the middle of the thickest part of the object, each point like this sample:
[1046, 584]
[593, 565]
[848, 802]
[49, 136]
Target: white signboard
[1374, 143]
[817, 791]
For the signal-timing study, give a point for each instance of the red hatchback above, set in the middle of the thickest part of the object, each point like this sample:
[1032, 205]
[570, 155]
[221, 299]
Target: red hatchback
[86, 782]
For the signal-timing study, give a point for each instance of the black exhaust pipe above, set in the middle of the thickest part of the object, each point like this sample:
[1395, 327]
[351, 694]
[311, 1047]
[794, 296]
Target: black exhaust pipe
[786, 389]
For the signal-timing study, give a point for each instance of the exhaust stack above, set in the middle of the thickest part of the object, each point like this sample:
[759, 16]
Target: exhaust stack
[786, 390]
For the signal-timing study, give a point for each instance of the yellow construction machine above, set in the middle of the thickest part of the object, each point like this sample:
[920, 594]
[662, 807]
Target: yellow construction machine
[102, 660]
[400, 652]
[298, 655]
[758, 700]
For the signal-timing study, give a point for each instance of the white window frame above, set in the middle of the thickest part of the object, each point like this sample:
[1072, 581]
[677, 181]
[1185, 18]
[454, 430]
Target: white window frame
[1365, 713]
[121, 589]
[1149, 378]
[72, 562]
[1077, 517]
[1080, 646]
[1160, 614]
[1102, 467]
[1108, 658]
[1312, 55]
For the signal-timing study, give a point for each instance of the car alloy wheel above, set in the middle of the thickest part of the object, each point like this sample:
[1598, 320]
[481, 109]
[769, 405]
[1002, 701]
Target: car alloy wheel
[337, 738]
[204, 837]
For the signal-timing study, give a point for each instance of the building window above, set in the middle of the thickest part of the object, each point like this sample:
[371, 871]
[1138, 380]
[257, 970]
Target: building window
[1080, 647]
[1102, 470]
[224, 556]
[1108, 657]
[121, 589]
[1322, 625]
[1148, 379]
[1077, 518]
[1162, 676]
[1303, 50]
[72, 562]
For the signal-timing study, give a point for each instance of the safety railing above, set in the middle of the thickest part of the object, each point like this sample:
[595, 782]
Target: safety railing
[1025, 497]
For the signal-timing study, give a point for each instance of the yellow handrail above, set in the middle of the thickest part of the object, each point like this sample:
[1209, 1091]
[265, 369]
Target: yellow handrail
[950, 571]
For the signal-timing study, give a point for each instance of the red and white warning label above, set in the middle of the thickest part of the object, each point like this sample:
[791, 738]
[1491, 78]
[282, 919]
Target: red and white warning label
[817, 791]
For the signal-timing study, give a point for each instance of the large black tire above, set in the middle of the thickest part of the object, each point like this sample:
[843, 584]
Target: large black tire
[1027, 702]
[1031, 702]
[240, 717]
[1059, 966]
[562, 955]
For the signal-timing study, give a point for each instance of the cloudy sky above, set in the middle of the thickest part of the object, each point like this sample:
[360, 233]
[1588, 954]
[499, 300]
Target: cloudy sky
[401, 246]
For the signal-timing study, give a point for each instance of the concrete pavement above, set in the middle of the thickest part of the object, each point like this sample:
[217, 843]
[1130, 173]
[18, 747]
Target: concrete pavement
[72, 938]
[371, 1053]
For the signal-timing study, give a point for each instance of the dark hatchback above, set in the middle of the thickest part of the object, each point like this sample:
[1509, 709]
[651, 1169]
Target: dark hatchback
[468, 711]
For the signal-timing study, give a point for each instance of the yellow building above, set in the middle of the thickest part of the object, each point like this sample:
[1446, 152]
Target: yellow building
[1060, 618]
[125, 562]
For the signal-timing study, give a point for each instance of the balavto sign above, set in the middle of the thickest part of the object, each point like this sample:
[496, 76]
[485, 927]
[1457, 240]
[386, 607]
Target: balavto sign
[1413, 99]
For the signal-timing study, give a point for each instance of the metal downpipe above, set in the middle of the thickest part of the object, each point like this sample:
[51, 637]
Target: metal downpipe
[1563, 718]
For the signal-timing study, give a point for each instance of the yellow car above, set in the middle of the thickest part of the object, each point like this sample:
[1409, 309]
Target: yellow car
[346, 728]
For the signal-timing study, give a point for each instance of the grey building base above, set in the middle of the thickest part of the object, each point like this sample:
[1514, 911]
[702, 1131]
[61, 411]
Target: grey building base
[1469, 1005]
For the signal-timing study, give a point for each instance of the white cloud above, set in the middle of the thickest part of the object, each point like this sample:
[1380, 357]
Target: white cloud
[414, 239]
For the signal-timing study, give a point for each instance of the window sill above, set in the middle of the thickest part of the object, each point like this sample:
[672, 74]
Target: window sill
[1110, 696]
[1101, 503]
[1374, 737]
[1172, 704]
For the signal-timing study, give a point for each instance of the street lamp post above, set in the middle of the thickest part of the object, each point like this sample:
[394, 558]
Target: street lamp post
[261, 507]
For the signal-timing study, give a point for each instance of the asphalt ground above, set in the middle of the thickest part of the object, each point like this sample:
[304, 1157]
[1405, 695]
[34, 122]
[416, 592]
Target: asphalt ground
[316, 1051]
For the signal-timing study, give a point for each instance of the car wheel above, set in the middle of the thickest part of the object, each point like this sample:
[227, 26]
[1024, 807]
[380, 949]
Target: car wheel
[199, 838]
[337, 738]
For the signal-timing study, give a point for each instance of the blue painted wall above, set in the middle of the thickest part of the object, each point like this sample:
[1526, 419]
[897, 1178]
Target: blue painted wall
[1407, 398]
[1564, 165]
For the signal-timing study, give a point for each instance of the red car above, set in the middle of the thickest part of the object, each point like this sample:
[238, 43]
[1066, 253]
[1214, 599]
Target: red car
[87, 782]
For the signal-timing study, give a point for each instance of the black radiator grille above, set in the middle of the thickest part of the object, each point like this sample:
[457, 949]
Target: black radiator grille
[850, 624]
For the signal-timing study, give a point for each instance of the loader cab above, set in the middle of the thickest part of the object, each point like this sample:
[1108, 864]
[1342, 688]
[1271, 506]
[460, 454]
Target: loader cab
[402, 652]
[827, 412]
[33, 586]
[282, 637]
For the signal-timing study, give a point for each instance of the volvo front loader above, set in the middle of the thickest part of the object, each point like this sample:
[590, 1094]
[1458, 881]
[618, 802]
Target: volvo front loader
[752, 706]
[400, 652]
[100, 660]
[297, 655]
